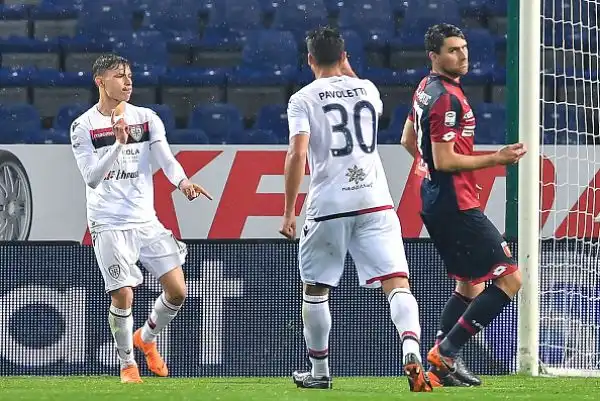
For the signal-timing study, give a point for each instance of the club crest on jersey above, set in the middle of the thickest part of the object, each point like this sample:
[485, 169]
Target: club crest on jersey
[450, 119]
[136, 131]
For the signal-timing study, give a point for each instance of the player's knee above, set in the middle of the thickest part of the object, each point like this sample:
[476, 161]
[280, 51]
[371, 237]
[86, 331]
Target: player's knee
[122, 298]
[469, 290]
[510, 284]
[395, 282]
[176, 295]
[316, 290]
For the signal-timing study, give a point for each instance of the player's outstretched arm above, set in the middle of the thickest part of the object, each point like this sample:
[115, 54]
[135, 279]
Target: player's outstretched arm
[161, 152]
[92, 168]
[409, 137]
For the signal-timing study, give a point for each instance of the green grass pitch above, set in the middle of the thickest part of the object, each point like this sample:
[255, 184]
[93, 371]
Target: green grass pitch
[282, 389]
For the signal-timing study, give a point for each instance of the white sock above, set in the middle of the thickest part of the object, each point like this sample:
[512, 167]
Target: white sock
[404, 311]
[317, 325]
[121, 326]
[161, 315]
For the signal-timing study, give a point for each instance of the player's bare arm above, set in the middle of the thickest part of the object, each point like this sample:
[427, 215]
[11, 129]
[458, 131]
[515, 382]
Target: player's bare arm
[409, 138]
[446, 159]
[295, 162]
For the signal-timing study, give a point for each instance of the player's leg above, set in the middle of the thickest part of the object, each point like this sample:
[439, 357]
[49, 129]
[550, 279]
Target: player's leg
[321, 262]
[163, 255]
[442, 232]
[490, 260]
[378, 252]
[116, 256]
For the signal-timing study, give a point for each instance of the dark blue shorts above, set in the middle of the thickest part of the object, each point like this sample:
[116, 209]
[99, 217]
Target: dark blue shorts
[471, 247]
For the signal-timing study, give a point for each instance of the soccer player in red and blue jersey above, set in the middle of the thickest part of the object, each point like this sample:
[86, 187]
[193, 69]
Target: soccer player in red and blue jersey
[440, 132]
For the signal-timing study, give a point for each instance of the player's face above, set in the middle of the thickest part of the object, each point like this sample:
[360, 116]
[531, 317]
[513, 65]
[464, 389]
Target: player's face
[454, 57]
[117, 83]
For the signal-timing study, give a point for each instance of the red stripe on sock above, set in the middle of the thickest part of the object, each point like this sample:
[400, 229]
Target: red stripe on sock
[318, 354]
[467, 326]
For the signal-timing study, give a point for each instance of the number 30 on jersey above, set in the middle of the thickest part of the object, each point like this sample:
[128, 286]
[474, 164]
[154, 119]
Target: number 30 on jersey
[354, 129]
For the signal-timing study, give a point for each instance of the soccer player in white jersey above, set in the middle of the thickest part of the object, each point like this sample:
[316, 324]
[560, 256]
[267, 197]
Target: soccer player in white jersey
[334, 122]
[112, 143]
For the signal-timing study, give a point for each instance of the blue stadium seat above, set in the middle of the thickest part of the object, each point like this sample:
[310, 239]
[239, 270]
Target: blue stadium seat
[20, 122]
[173, 19]
[560, 117]
[53, 22]
[144, 48]
[497, 7]
[165, 113]
[189, 136]
[99, 19]
[14, 84]
[412, 33]
[14, 20]
[52, 88]
[76, 5]
[269, 65]
[391, 135]
[221, 39]
[490, 123]
[300, 16]
[67, 114]
[253, 137]
[25, 52]
[372, 19]
[219, 121]
[236, 15]
[273, 117]
[52, 136]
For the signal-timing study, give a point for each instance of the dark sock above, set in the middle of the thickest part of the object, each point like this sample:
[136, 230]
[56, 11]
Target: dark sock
[455, 307]
[482, 311]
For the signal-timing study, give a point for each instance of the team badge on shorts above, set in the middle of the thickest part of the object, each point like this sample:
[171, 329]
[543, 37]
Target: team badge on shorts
[136, 132]
[114, 271]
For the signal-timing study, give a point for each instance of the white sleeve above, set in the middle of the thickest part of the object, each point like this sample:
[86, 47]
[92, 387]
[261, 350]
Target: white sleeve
[92, 168]
[161, 152]
[297, 114]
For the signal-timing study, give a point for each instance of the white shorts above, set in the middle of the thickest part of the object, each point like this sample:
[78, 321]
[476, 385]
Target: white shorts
[118, 251]
[374, 241]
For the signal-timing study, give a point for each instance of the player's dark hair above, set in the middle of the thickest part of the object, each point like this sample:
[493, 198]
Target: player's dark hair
[108, 62]
[326, 45]
[434, 38]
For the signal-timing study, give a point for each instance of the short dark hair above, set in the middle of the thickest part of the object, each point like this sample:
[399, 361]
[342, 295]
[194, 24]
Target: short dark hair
[326, 45]
[108, 62]
[434, 38]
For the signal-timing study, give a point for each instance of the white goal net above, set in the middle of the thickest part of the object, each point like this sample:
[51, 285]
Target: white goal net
[569, 254]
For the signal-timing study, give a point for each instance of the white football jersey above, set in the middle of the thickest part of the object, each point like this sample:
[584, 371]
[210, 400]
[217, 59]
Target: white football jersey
[341, 115]
[119, 191]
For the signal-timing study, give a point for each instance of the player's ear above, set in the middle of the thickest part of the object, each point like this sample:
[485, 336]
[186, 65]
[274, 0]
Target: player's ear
[311, 60]
[99, 82]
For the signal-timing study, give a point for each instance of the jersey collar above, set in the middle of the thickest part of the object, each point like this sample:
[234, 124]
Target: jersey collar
[446, 79]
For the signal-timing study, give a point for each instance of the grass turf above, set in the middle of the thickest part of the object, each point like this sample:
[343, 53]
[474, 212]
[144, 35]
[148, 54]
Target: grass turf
[282, 389]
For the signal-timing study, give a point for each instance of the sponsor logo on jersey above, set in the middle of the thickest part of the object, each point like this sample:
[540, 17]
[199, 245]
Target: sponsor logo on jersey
[121, 175]
[450, 119]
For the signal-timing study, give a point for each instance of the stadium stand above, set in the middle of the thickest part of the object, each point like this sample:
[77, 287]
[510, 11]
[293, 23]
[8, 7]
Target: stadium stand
[247, 54]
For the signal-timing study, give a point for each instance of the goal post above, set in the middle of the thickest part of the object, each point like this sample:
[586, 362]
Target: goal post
[529, 67]
[553, 195]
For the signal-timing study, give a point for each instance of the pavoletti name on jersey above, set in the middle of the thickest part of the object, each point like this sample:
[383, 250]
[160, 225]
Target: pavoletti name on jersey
[121, 175]
[345, 93]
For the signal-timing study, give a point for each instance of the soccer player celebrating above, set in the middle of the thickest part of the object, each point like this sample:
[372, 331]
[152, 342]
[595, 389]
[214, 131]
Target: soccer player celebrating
[112, 143]
[440, 132]
[334, 121]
